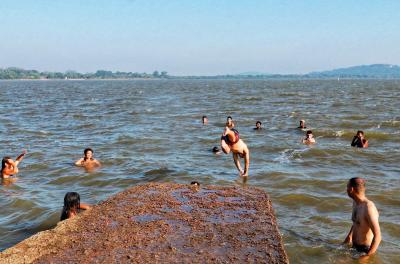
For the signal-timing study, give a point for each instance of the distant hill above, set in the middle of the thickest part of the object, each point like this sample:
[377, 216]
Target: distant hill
[362, 71]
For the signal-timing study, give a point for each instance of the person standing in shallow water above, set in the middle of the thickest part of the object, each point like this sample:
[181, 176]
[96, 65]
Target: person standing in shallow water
[365, 233]
[10, 167]
[359, 141]
[230, 142]
[88, 161]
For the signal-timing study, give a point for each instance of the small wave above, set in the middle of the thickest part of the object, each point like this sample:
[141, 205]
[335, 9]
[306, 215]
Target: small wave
[289, 155]
[349, 134]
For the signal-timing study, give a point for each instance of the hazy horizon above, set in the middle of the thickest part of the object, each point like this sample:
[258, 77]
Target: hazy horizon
[201, 38]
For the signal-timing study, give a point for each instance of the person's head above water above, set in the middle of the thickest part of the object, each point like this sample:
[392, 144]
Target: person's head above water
[302, 124]
[360, 133]
[229, 122]
[72, 202]
[195, 183]
[258, 125]
[215, 149]
[309, 133]
[204, 119]
[355, 186]
[4, 162]
[88, 153]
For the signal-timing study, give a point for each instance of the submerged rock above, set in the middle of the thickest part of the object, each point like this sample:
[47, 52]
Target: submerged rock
[163, 223]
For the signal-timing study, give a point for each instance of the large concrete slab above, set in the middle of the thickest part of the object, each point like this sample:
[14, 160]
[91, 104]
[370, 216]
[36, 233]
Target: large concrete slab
[163, 223]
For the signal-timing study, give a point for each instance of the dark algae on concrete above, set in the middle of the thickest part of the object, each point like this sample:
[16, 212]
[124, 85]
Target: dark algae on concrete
[163, 223]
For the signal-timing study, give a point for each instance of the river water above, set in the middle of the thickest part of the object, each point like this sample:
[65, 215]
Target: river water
[150, 130]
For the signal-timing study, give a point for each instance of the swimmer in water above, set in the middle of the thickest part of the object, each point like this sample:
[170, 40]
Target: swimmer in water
[195, 186]
[302, 124]
[309, 139]
[230, 142]
[10, 167]
[258, 126]
[229, 122]
[365, 233]
[216, 150]
[359, 141]
[72, 205]
[88, 160]
[204, 119]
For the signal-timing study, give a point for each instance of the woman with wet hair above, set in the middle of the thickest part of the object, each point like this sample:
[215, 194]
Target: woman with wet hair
[88, 160]
[72, 205]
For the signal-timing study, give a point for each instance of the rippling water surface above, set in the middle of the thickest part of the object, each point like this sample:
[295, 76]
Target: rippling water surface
[145, 131]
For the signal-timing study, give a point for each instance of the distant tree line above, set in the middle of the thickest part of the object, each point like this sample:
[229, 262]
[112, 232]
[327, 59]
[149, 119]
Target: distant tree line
[17, 73]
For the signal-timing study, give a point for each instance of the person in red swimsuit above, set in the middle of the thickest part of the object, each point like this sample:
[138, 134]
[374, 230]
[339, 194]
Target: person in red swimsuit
[231, 142]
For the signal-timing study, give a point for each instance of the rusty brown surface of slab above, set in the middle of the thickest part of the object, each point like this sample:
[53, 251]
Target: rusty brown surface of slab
[163, 223]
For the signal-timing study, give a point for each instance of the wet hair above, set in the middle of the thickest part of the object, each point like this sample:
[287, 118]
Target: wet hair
[258, 122]
[86, 151]
[360, 132]
[309, 132]
[72, 202]
[357, 183]
[3, 162]
[215, 149]
[195, 183]
[204, 117]
[228, 117]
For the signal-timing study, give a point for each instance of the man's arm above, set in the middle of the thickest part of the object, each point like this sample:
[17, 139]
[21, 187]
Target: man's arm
[372, 218]
[364, 143]
[348, 240]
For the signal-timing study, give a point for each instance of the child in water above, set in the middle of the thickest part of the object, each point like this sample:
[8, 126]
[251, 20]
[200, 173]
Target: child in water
[72, 205]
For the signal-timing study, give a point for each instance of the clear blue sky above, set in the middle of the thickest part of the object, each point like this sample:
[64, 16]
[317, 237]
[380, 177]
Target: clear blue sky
[198, 37]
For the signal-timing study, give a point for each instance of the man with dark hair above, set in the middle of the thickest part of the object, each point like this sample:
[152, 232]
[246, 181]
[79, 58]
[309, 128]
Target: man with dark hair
[365, 233]
[359, 141]
[309, 139]
[258, 125]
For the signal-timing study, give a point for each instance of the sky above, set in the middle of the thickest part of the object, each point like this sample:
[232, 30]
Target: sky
[204, 37]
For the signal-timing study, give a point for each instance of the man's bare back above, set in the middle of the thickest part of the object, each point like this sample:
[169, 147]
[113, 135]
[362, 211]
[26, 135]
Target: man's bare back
[362, 233]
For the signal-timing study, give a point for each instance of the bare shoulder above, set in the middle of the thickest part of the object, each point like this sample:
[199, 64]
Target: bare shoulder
[371, 207]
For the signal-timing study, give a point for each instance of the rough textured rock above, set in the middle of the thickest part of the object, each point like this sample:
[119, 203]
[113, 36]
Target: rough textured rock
[163, 223]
